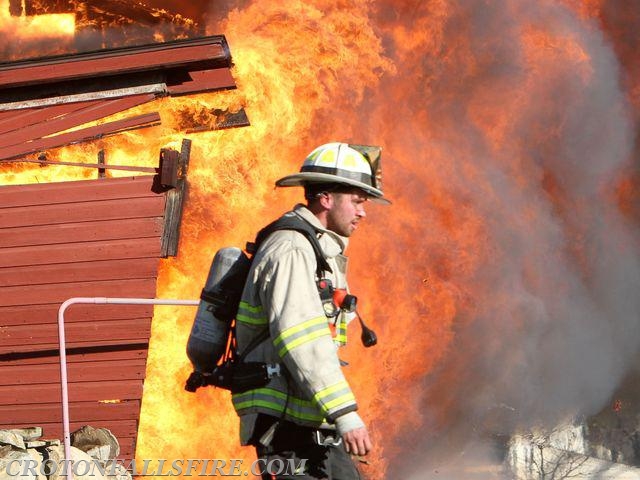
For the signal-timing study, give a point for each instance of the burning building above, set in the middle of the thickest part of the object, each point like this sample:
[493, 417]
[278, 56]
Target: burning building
[502, 283]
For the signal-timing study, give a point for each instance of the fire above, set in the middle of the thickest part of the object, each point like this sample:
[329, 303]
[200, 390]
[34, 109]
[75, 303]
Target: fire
[44, 34]
[501, 281]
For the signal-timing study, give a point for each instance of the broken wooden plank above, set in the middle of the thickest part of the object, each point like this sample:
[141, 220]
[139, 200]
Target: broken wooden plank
[174, 205]
[82, 135]
[200, 81]
[221, 120]
[18, 120]
[155, 89]
[206, 52]
[68, 120]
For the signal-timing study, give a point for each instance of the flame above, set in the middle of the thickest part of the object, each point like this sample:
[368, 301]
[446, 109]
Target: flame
[500, 282]
[46, 34]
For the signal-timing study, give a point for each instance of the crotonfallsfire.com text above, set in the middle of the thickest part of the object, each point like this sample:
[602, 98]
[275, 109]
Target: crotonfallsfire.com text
[209, 467]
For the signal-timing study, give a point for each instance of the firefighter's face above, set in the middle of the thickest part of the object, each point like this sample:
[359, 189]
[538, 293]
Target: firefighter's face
[345, 211]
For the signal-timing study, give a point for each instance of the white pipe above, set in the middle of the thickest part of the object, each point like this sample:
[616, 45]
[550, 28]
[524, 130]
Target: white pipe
[63, 353]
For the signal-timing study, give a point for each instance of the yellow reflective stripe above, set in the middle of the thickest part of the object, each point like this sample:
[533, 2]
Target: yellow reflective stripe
[302, 340]
[275, 400]
[258, 403]
[334, 396]
[251, 315]
[251, 308]
[298, 328]
[341, 339]
[346, 398]
[325, 392]
[251, 320]
[261, 391]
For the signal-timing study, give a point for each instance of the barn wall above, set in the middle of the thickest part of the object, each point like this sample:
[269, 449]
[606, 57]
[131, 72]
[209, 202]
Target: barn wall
[77, 239]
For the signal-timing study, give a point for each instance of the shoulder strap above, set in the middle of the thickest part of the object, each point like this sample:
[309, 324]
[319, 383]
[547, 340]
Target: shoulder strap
[287, 222]
[294, 222]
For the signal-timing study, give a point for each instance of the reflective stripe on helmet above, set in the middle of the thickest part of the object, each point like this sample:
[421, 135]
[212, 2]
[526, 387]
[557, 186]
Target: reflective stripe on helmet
[358, 176]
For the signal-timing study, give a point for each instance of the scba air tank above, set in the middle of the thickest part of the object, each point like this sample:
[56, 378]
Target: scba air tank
[218, 306]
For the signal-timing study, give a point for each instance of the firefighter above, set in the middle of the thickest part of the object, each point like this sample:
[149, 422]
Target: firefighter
[309, 411]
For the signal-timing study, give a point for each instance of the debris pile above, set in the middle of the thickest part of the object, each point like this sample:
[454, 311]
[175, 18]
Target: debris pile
[94, 451]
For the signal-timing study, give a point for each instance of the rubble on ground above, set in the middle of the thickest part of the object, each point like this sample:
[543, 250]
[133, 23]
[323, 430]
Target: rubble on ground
[23, 448]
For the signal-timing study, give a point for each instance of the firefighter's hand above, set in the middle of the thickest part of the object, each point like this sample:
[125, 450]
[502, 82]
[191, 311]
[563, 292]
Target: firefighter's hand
[354, 433]
[357, 442]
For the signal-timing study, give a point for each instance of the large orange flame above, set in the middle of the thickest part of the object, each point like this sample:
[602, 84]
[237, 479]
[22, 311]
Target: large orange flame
[502, 282]
[40, 35]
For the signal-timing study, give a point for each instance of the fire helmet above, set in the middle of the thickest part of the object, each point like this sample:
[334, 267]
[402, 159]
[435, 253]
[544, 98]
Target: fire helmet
[342, 163]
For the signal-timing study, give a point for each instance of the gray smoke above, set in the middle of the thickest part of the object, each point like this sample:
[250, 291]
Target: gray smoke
[531, 140]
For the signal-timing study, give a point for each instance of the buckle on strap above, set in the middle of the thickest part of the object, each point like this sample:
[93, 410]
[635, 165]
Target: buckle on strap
[327, 440]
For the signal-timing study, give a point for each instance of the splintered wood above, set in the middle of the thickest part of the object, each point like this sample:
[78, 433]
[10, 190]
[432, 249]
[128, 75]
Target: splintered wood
[43, 97]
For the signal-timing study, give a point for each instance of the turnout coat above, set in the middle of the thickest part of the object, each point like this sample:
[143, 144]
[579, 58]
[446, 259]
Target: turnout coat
[281, 295]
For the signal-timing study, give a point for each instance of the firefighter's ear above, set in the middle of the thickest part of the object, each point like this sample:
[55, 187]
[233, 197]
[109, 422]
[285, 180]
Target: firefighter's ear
[326, 200]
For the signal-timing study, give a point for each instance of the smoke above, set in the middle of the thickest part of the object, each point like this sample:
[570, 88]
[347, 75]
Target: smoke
[503, 279]
[514, 131]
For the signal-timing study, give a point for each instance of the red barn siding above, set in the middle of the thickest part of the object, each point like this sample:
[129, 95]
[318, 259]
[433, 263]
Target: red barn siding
[77, 239]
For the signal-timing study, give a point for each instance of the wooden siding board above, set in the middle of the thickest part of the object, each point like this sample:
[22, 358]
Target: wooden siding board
[38, 314]
[47, 413]
[110, 63]
[43, 294]
[116, 229]
[86, 345]
[46, 335]
[94, 371]
[82, 212]
[78, 191]
[118, 269]
[71, 119]
[78, 252]
[6, 115]
[81, 135]
[77, 355]
[82, 391]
